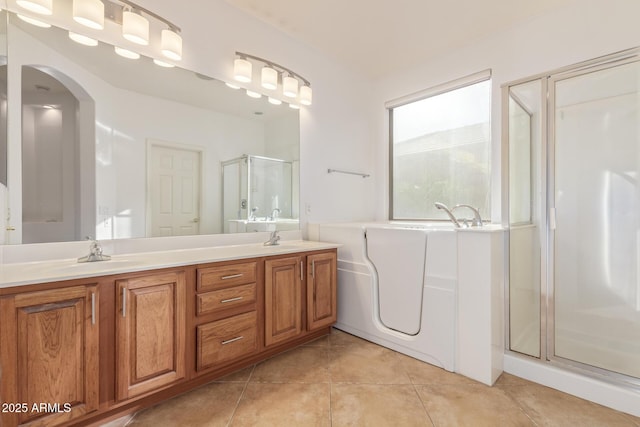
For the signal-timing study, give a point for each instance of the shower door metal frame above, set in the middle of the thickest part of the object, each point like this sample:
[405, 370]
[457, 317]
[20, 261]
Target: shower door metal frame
[607, 63]
[547, 177]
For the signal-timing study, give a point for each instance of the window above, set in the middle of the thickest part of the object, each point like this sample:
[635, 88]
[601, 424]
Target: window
[440, 149]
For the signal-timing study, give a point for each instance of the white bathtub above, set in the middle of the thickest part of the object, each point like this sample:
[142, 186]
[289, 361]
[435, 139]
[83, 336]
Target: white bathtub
[397, 286]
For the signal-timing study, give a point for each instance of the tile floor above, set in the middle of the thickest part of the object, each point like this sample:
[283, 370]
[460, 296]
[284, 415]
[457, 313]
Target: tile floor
[341, 380]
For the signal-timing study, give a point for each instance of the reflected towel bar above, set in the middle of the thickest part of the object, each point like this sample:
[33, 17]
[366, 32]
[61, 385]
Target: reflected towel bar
[364, 175]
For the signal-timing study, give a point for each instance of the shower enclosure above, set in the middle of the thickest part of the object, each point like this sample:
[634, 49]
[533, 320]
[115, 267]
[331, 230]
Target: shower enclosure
[257, 194]
[574, 215]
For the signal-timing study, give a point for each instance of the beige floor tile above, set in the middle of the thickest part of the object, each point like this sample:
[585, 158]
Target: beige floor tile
[241, 376]
[211, 405]
[471, 405]
[266, 404]
[300, 365]
[340, 338]
[549, 407]
[420, 372]
[320, 342]
[366, 364]
[376, 405]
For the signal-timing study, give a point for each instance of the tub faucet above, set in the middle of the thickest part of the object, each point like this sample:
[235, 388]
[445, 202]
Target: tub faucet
[477, 219]
[453, 219]
[273, 239]
[95, 252]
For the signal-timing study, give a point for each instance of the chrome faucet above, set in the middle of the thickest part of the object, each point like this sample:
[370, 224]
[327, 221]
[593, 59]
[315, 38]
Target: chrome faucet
[252, 217]
[477, 219]
[95, 252]
[273, 239]
[274, 215]
[453, 219]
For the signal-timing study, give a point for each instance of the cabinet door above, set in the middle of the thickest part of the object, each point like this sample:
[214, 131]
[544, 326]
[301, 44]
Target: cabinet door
[321, 290]
[283, 299]
[49, 355]
[150, 333]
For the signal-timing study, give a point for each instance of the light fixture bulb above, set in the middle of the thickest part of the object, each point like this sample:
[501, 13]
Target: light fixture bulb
[135, 28]
[274, 101]
[42, 7]
[82, 39]
[242, 70]
[33, 21]
[232, 86]
[171, 45]
[269, 78]
[126, 53]
[89, 13]
[253, 94]
[294, 106]
[290, 87]
[160, 63]
[306, 95]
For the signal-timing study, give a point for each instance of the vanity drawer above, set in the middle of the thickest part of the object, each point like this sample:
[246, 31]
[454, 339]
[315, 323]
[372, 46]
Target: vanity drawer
[212, 278]
[225, 298]
[226, 339]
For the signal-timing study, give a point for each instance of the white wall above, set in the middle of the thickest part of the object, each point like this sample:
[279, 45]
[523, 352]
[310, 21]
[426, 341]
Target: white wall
[579, 31]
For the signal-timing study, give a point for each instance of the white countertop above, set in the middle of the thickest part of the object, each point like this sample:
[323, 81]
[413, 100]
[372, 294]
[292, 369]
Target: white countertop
[29, 273]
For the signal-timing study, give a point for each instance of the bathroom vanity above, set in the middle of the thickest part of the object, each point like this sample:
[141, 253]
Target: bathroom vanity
[88, 342]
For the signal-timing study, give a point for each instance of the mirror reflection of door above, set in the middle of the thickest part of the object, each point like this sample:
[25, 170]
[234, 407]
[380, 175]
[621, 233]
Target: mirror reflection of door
[174, 190]
[54, 175]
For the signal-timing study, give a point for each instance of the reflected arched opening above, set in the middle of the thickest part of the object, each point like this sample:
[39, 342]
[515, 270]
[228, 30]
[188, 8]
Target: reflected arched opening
[58, 170]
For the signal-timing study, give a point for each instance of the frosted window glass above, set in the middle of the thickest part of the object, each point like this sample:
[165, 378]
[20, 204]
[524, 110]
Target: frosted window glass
[441, 153]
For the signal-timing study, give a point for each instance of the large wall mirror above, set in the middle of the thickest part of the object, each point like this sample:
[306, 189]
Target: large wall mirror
[114, 148]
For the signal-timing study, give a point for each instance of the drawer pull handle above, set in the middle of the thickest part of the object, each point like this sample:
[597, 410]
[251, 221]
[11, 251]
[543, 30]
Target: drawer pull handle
[230, 300]
[232, 340]
[233, 276]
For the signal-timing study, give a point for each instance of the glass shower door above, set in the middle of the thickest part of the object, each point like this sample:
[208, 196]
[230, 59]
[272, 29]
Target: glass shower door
[594, 218]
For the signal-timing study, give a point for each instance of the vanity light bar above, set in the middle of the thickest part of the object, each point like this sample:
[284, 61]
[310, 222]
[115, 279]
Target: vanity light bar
[92, 13]
[271, 74]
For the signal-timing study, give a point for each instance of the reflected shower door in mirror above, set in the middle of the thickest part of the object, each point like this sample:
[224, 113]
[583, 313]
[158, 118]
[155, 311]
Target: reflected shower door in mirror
[258, 195]
[95, 136]
[525, 111]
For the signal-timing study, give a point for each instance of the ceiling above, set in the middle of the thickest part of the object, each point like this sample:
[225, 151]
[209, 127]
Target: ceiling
[381, 37]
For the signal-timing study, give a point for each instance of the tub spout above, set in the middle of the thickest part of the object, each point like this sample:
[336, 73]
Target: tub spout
[448, 211]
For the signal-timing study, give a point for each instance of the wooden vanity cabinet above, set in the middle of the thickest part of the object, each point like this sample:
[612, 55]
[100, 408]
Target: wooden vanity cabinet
[226, 321]
[49, 355]
[290, 293]
[150, 332]
[321, 290]
[160, 333]
[283, 284]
